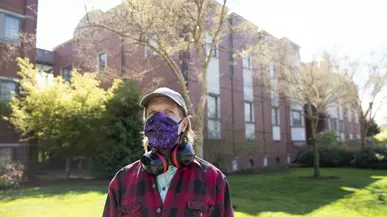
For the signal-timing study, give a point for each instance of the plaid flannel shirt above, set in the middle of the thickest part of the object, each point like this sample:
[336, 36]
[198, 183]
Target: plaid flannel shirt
[197, 190]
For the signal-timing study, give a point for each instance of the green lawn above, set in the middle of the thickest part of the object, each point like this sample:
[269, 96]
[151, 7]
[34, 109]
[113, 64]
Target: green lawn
[282, 194]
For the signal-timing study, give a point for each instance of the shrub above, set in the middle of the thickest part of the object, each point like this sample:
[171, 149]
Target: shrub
[11, 175]
[371, 158]
[328, 157]
[120, 133]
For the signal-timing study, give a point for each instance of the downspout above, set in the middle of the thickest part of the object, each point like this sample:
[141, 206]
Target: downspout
[122, 57]
[231, 75]
[263, 124]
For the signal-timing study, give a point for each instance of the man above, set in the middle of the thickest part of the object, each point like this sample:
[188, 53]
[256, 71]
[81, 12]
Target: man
[168, 180]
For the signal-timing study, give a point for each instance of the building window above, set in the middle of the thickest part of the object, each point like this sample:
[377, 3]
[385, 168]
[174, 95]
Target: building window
[333, 124]
[272, 71]
[275, 116]
[249, 112]
[66, 73]
[249, 121]
[350, 127]
[102, 62]
[5, 156]
[296, 118]
[247, 62]
[153, 42]
[213, 114]
[214, 50]
[251, 163]
[12, 28]
[6, 89]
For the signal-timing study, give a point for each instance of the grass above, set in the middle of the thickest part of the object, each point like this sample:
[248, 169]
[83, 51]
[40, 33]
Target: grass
[355, 194]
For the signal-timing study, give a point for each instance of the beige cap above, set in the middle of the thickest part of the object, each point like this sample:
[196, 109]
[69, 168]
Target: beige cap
[164, 91]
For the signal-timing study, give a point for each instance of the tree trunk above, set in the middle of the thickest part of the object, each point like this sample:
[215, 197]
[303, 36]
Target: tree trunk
[316, 155]
[198, 142]
[68, 167]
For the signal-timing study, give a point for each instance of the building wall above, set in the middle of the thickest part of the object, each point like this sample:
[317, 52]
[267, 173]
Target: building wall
[8, 70]
[28, 18]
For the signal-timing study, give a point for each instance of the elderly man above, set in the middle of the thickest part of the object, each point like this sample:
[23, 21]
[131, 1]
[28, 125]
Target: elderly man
[168, 180]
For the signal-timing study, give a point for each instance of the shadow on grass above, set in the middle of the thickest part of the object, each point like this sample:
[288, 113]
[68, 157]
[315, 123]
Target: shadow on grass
[43, 189]
[288, 193]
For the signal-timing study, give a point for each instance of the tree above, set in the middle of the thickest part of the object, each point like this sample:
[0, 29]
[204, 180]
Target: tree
[314, 86]
[370, 76]
[63, 112]
[119, 143]
[172, 30]
[373, 129]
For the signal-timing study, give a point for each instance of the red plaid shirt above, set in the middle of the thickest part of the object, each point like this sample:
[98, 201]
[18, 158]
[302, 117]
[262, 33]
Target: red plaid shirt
[197, 190]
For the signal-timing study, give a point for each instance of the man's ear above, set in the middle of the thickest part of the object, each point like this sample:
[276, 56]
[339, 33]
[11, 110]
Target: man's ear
[185, 125]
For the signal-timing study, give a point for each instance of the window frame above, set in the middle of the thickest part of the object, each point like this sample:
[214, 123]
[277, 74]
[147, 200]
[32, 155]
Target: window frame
[216, 120]
[5, 37]
[277, 116]
[251, 110]
[333, 120]
[7, 96]
[272, 69]
[249, 64]
[341, 126]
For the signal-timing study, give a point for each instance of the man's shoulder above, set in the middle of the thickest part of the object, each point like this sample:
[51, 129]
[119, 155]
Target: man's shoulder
[207, 168]
[132, 168]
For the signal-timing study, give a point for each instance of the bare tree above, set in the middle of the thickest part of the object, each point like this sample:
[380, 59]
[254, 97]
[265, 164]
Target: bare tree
[172, 31]
[370, 76]
[313, 86]
[20, 46]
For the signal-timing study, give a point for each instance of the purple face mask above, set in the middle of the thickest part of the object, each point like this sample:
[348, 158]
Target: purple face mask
[161, 131]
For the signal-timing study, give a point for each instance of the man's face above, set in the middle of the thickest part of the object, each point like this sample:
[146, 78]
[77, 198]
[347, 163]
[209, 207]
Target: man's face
[170, 109]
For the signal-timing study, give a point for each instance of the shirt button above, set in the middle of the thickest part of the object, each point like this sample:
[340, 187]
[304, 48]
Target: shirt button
[153, 186]
[158, 210]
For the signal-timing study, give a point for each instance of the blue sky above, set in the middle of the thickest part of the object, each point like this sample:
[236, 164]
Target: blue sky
[354, 27]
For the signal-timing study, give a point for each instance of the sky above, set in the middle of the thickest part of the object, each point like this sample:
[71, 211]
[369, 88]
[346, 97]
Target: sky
[354, 27]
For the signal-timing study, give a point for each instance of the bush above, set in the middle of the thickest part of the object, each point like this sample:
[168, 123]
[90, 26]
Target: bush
[329, 139]
[11, 175]
[120, 133]
[371, 158]
[328, 157]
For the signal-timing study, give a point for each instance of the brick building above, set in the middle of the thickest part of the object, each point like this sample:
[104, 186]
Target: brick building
[18, 22]
[239, 112]
[241, 119]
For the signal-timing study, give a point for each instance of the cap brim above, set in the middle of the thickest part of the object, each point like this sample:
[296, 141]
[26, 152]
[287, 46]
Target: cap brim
[147, 98]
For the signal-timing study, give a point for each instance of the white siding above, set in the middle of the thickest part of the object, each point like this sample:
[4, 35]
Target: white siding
[234, 165]
[298, 134]
[276, 133]
[213, 76]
